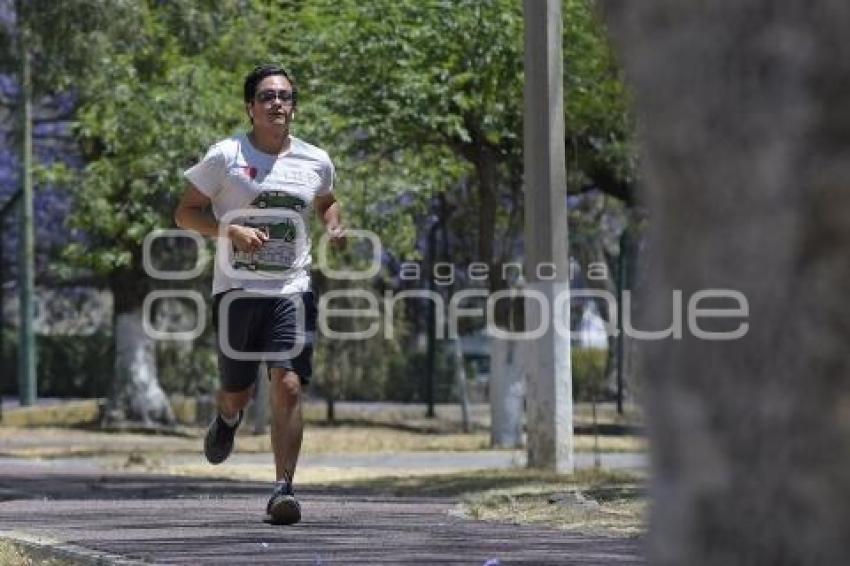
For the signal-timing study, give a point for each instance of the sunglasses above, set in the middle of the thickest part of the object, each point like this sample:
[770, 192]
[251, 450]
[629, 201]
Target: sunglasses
[268, 96]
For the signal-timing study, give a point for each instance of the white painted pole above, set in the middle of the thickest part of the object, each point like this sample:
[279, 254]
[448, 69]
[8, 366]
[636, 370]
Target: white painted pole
[549, 389]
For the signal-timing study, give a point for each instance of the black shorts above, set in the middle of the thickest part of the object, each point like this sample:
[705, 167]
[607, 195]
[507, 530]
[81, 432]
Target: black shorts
[279, 329]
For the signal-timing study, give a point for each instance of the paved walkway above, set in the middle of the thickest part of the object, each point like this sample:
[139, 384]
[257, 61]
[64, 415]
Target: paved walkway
[401, 461]
[86, 509]
[118, 518]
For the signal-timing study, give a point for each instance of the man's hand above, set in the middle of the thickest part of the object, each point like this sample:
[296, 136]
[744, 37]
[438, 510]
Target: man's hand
[246, 239]
[327, 209]
[337, 234]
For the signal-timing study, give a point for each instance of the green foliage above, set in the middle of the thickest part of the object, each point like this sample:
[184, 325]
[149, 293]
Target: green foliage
[415, 76]
[68, 40]
[411, 90]
[407, 96]
[380, 370]
[408, 380]
[599, 126]
[408, 73]
[421, 97]
[188, 368]
[68, 366]
[403, 95]
[149, 108]
[138, 142]
[376, 368]
[588, 372]
[596, 224]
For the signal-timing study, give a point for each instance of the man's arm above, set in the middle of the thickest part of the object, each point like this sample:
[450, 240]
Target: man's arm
[330, 213]
[193, 213]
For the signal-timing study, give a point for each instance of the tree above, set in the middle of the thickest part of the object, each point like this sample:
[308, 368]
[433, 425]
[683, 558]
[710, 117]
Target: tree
[744, 124]
[434, 90]
[147, 110]
[28, 43]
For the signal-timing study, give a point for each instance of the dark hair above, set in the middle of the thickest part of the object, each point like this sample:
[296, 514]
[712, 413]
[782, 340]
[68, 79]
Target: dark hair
[261, 72]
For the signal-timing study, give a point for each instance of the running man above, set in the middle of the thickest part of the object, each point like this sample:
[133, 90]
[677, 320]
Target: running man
[262, 186]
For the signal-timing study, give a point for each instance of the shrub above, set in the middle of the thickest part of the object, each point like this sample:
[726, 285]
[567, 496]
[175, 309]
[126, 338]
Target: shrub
[67, 366]
[588, 369]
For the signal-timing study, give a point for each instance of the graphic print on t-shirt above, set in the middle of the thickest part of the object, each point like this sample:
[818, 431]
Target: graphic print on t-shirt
[251, 172]
[279, 199]
[280, 251]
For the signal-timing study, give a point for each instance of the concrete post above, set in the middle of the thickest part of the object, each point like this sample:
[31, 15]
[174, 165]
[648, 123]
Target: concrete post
[549, 388]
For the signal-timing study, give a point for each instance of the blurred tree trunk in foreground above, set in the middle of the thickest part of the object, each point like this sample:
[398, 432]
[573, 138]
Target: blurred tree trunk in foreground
[744, 109]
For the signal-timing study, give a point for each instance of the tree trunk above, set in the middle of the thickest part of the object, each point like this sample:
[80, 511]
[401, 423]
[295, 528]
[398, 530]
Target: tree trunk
[507, 392]
[746, 131]
[460, 382]
[507, 385]
[135, 395]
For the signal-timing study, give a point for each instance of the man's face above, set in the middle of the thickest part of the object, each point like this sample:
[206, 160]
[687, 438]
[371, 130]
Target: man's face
[272, 107]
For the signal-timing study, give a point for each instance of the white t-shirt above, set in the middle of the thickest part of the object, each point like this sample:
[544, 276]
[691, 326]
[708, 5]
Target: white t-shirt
[272, 192]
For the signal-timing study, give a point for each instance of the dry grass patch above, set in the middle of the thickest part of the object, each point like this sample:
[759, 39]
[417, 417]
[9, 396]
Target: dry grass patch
[593, 502]
[55, 442]
[350, 439]
[358, 439]
[312, 475]
[573, 509]
[14, 554]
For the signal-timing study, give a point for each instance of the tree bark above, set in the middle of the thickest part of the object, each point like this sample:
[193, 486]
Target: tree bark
[135, 395]
[507, 372]
[507, 387]
[745, 126]
[460, 383]
[507, 392]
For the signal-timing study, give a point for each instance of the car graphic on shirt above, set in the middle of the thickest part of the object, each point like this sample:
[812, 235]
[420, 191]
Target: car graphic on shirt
[279, 199]
[278, 252]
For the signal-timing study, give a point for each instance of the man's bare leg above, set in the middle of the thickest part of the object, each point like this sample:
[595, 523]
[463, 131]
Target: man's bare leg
[230, 403]
[287, 421]
[287, 431]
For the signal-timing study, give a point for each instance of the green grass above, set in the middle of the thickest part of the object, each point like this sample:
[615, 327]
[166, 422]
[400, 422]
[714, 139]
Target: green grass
[55, 442]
